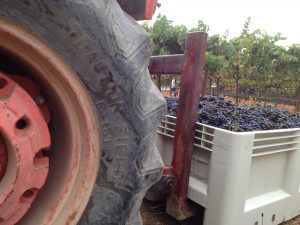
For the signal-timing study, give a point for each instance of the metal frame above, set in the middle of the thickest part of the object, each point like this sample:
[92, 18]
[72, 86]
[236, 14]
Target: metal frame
[191, 66]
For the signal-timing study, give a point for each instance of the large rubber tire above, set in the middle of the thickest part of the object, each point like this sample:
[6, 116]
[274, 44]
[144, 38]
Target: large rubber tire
[110, 53]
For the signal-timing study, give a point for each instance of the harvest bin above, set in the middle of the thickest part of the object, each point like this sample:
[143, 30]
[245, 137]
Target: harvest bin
[247, 178]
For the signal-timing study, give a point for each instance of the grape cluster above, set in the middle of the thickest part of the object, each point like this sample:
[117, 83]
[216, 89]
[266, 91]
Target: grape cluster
[218, 112]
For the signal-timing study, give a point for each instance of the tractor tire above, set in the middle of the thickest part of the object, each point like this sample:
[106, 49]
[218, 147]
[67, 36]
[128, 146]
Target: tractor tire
[110, 52]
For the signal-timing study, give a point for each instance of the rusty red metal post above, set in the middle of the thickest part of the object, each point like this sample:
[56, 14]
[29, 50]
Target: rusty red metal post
[166, 64]
[192, 75]
[191, 66]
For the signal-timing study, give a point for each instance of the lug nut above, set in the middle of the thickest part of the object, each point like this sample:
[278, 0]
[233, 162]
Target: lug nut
[40, 100]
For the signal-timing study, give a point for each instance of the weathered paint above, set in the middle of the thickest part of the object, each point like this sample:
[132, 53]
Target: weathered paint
[34, 91]
[166, 64]
[186, 119]
[191, 66]
[26, 136]
[3, 157]
[139, 9]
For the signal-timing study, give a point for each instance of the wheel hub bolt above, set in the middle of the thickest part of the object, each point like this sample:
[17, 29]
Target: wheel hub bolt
[40, 100]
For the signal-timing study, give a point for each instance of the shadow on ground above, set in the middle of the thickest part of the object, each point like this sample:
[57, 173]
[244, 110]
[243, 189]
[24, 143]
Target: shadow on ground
[154, 213]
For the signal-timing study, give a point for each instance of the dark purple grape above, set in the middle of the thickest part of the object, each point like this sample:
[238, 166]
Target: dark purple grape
[218, 112]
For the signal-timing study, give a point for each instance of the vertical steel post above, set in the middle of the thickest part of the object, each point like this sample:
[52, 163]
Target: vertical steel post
[192, 74]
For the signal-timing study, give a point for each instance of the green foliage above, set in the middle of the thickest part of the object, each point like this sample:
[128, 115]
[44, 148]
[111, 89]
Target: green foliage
[166, 38]
[252, 63]
[200, 27]
[245, 31]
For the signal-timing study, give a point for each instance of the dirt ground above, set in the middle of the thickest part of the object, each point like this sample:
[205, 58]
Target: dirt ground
[154, 213]
[295, 221]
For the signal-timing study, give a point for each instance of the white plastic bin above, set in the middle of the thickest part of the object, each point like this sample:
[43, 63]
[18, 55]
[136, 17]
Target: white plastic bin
[247, 178]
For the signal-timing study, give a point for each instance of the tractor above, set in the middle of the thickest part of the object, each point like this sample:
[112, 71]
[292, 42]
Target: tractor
[78, 112]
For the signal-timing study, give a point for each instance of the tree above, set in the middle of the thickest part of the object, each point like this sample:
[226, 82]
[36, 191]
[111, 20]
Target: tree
[294, 65]
[166, 38]
[236, 57]
[217, 49]
[252, 63]
[246, 26]
[200, 27]
[260, 55]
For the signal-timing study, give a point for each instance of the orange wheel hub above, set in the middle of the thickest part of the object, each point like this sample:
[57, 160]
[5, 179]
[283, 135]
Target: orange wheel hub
[24, 136]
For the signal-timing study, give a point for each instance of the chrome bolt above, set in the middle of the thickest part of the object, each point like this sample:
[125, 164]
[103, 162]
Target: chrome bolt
[40, 100]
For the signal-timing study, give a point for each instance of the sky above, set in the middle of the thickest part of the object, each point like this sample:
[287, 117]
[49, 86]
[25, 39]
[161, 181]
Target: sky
[272, 16]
